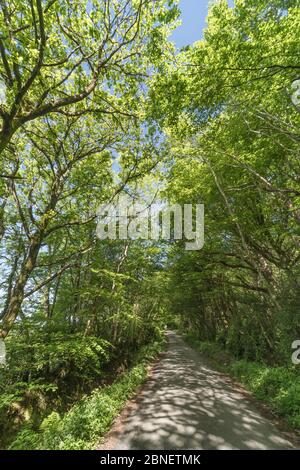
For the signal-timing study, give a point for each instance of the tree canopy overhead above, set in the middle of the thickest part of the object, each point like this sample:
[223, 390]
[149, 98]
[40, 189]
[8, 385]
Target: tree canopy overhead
[96, 102]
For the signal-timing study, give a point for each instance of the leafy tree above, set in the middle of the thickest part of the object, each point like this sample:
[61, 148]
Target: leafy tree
[234, 130]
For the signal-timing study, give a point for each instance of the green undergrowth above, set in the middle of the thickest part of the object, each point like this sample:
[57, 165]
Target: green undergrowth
[278, 386]
[88, 420]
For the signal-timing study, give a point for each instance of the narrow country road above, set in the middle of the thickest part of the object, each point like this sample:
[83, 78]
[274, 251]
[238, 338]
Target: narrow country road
[188, 405]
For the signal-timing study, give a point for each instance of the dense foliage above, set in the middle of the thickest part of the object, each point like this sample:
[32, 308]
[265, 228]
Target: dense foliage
[84, 424]
[278, 386]
[96, 102]
[234, 133]
[75, 310]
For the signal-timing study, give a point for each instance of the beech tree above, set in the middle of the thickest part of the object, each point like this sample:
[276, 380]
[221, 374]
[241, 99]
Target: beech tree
[73, 79]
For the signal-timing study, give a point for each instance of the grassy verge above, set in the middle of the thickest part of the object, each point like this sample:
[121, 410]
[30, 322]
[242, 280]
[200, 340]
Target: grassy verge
[84, 424]
[279, 386]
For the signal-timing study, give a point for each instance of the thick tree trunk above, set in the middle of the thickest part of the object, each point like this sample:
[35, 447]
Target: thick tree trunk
[16, 297]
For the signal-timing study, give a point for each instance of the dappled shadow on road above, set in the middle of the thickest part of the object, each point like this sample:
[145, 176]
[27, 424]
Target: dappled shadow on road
[187, 405]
